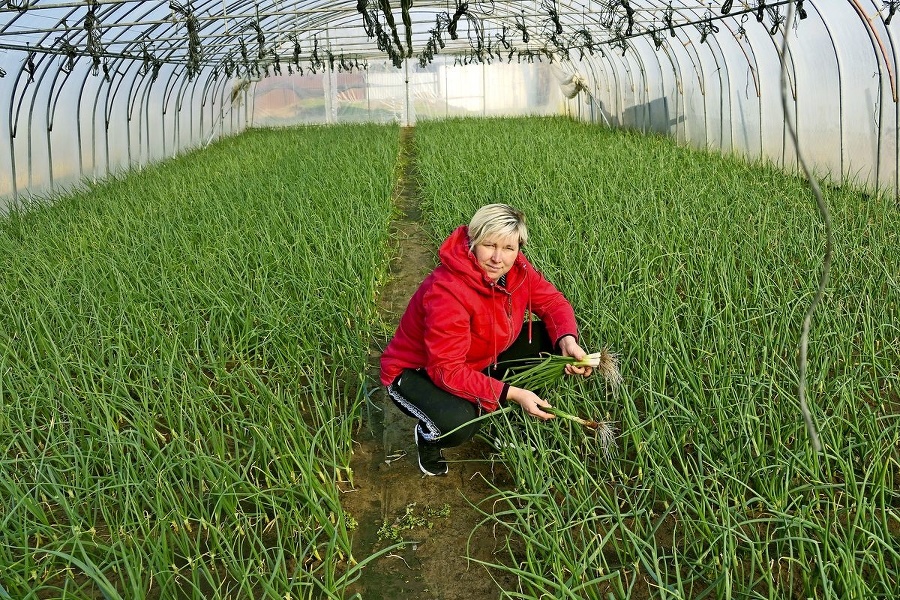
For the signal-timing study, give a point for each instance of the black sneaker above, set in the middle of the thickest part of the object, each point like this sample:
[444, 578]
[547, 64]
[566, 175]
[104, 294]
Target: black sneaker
[431, 459]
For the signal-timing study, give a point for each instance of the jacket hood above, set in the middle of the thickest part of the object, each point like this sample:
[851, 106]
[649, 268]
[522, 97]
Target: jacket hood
[455, 255]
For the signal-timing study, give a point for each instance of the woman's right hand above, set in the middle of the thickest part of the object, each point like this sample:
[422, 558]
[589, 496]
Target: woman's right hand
[530, 402]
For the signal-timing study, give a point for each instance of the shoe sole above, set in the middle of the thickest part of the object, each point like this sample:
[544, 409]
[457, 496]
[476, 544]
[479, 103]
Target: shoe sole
[419, 458]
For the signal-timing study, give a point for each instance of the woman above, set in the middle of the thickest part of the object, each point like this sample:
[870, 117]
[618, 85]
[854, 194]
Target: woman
[469, 315]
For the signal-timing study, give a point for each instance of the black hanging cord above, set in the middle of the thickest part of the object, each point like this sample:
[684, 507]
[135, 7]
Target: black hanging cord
[30, 67]
[706, 27]
[71, 53]
[520, 25]
[260, 39]
[389, 19]
[405, 5]
[777, 19]
[553, 12]
[501, 37]
[667, 19]
[193, 27]
[462, 8]
[629, 14]
[892, 6]
[368, 26]
[297, 49]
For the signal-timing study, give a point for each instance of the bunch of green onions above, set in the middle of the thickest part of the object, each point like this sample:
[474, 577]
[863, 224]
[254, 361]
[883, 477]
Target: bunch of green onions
[603, 431]
[545, 370]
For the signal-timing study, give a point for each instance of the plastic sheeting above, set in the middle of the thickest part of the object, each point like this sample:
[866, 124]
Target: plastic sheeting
[90, 89]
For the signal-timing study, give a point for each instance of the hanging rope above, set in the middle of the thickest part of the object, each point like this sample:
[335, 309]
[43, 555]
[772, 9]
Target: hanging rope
[629, 14]
[19, 7]
[552, 11]
[405, 5]
[30, 67]
[368, 26]
[892, 6]
[461, 9]
[193, 27]
[706, 27]
[668, 20]
[389, 19]
[520, 25]
[826, 262]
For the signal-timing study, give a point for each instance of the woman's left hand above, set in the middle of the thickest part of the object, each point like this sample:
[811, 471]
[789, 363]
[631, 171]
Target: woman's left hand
[568, 345]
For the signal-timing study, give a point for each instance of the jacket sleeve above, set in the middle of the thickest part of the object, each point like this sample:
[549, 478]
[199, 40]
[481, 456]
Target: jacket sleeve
[448, 337]
[551, 306]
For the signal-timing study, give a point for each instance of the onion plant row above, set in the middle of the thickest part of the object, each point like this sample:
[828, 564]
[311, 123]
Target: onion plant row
[696, 269]
[180, 360]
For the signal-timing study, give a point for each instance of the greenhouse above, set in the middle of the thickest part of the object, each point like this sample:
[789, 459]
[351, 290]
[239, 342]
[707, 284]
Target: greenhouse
[214, 214]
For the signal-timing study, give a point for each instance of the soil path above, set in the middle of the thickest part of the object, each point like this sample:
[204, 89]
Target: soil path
[391, 499]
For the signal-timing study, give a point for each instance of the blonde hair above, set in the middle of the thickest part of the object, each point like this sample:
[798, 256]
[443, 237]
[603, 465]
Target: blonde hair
[497, 219]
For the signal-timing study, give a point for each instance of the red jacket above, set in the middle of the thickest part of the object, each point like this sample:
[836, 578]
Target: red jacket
[459, 321]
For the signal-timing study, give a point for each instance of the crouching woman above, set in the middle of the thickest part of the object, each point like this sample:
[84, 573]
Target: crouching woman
[472, 313]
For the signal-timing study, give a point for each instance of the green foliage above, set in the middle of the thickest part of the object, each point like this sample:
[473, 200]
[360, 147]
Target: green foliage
[696, 269]
[180, 370]
[413, 517]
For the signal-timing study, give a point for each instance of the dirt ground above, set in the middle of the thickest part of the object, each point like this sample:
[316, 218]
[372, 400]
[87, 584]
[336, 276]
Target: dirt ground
[391, 499]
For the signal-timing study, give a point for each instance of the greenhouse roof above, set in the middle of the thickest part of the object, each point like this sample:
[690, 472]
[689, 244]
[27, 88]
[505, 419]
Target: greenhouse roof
[244, 37]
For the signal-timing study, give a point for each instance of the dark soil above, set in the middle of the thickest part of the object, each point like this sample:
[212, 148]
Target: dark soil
[391, 499]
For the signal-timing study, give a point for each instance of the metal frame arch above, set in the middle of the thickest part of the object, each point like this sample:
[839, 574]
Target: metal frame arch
[630, 67]
[142, 118]
[896, 129]
[210, 83]
[840, 78]
[753, 71]
[611, 80]
[883, 64]
[647, 117]
[179, 103]
[724, 87]
[678, 77]
[791, 72]
[593, 65]
[43, 65]
[170, 89]
[687, 44]
[616, 92]
[136, 82]
[190, 115]
[662, 80]
[115, 61]
[52, 100]
[662, 75]
[222, 85]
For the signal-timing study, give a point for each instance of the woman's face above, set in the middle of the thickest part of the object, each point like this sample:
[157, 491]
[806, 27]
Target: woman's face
[496, 254]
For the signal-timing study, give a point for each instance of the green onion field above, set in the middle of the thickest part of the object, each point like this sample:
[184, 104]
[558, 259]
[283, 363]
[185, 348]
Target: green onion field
[183, 354]
[181, 360]
[697, 270]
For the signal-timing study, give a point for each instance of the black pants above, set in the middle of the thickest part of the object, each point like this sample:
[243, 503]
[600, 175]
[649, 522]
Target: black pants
[439, 411]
